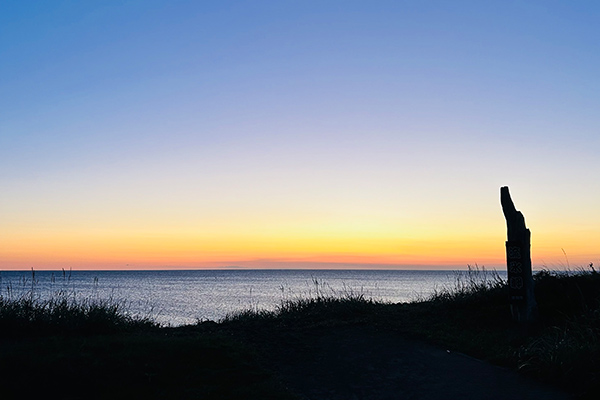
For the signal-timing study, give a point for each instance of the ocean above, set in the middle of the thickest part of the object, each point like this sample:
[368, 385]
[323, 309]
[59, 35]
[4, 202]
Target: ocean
[183, 297]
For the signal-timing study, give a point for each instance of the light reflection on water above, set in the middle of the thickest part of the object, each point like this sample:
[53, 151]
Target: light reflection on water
[183, 297]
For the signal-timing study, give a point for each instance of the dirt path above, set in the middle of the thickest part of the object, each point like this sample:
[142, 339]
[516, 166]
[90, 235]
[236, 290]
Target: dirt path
[360, 363]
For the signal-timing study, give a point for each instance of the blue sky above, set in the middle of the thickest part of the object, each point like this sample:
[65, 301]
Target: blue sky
[397, 120]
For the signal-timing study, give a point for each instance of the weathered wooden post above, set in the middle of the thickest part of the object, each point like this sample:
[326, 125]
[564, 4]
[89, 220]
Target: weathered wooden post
[518, 262]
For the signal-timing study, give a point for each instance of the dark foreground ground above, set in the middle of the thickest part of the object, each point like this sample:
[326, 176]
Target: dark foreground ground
[366, 363]
[459, 344]
[323, 362]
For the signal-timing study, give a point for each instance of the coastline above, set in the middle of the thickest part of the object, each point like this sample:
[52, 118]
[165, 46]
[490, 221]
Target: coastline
[261, 354]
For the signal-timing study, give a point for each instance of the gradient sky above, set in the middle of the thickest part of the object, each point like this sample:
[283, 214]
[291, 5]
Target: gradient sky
[278, 134]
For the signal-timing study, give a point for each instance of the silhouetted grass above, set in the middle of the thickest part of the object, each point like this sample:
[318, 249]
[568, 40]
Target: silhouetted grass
[561, 348]
[471, 285]
[73, 348]
[472, 316]
[323, 304]
[28, 315]
[566, 348]
[24, 313]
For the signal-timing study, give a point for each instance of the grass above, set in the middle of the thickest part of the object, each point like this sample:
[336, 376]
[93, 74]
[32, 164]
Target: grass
[28, 315]
[322, 304]
[93, 345]
[72, 348]
[562, 348]
[566, 347]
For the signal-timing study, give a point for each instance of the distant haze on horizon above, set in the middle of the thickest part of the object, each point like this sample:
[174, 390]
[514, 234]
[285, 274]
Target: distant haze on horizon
[296, 134]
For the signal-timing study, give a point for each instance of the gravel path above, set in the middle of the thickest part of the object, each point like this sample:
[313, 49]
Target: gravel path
[360, 363]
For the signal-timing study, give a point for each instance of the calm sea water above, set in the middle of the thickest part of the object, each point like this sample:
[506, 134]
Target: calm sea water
[183, 297]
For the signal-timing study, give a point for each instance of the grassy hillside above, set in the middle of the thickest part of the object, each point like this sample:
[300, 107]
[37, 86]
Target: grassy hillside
[96, 350]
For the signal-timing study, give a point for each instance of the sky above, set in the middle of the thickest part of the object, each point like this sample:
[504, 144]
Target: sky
[297, 134]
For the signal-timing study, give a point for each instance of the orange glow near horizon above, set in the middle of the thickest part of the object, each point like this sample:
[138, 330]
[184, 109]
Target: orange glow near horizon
[167, 135]
[106, 250]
